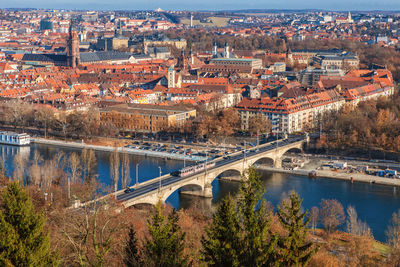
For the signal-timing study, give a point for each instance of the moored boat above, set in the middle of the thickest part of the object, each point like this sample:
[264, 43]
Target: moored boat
[17, 139]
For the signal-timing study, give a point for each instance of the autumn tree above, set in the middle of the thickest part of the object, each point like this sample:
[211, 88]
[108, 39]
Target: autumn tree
[228, 121]
[18, 113]
[23, 242]
[90, 234]
[331, 214]
[259, 124]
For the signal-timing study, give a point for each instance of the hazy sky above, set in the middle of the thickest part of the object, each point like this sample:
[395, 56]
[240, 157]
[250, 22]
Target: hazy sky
[206, 4]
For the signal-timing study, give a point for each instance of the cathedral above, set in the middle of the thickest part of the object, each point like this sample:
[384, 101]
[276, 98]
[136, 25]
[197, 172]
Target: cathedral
[73, 56]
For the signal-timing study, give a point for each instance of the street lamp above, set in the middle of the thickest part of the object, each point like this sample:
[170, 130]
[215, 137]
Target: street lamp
[225, 145]
[137, 172]
[69, 188]
[160, 177]
[184, 158]
[258, 141]
[245, 148]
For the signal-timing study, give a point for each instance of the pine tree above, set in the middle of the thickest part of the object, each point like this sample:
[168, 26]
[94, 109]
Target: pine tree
[294, 250]
[221, 243]
[166, 243]
[131, 256]
[23, 241]
[258, 243]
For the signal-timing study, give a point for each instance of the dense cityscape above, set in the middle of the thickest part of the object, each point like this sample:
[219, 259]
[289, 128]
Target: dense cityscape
[199, 138]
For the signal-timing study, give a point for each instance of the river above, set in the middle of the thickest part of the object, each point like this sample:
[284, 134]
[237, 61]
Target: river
[374, 203]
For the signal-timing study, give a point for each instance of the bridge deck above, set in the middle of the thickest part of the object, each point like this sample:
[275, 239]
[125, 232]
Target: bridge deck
[153, 186]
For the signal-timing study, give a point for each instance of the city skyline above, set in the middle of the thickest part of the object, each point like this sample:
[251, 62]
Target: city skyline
[338, 5]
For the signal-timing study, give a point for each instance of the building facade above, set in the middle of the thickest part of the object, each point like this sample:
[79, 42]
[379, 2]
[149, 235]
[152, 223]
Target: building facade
[146, 118]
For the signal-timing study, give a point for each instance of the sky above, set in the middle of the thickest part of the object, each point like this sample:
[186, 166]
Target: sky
[339, 5]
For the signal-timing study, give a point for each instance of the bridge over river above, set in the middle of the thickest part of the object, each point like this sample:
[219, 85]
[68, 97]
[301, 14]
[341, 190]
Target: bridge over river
[160, 188]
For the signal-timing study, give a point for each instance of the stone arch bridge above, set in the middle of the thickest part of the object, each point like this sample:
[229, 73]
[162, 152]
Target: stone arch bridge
[159, 189]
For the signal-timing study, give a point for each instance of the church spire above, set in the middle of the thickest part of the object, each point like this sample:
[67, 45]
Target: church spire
[73, 56]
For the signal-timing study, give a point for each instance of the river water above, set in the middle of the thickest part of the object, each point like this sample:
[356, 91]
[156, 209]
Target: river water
[375, 204]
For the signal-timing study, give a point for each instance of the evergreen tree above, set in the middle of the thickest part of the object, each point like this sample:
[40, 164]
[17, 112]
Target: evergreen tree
[258, 243]
[221, 243]
[23, 241]
[294, 249]
[166, 243]
[131, 256]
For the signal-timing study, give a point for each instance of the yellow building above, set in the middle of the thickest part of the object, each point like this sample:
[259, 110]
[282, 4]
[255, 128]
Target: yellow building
[146, 117]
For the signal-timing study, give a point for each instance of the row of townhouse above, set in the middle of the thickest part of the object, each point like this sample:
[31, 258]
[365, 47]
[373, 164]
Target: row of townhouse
[290, 115]
[300, 113]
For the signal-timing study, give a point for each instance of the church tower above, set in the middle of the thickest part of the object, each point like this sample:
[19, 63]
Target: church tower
[289, 55]
[226, 51]
[215, 49]
[171, 77]
[181, 64]
[73, 57]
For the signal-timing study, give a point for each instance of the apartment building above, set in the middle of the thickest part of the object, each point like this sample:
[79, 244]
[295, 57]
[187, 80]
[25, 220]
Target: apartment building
[147, 118]
[290, 115]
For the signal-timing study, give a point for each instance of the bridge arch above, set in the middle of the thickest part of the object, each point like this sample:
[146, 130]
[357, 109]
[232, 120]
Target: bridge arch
[229, 173]
[190, 186]
[293, 148]
[268, 161]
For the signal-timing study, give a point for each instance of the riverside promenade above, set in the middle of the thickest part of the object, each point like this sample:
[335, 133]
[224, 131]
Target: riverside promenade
[364, 178]
[133, 151]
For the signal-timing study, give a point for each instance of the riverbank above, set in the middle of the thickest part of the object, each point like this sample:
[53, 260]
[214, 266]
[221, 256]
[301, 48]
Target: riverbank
[335, 175]
[133, 151]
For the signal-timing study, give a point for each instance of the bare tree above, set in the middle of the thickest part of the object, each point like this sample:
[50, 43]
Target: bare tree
[48, 174]
[19, 167]
[74, 164]
[332, 214]
[354, 225]
[393, 237]
[393, 231]
[314, 216]
[91, 234]
[18, 113]
[34, 170]
[45, 118]
[125, 170]
[114, 168]
[259, 124]
[88, 164]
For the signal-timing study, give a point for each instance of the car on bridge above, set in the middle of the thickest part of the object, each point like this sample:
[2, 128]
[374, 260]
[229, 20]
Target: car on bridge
[129, 190]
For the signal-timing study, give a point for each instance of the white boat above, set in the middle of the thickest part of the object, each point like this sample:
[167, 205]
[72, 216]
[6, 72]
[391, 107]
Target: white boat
[11, 138]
